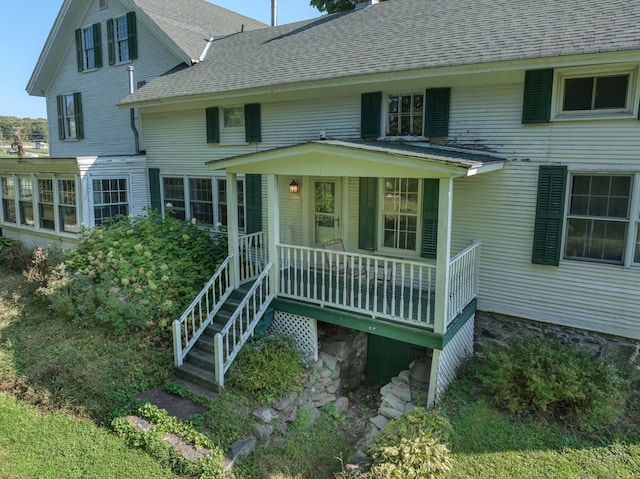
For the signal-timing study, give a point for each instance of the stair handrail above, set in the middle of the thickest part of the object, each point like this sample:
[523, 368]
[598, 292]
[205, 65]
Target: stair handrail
[240, 327]
[190, 326]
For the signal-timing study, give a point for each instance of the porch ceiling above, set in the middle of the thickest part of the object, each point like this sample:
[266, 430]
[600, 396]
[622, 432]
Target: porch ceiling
[363, 158]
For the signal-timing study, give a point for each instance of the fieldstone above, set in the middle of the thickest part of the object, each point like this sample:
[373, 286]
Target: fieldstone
[283, 403]
[313, 418]
[342, 404]
[262, 431]
[337, 349]
[390, 412]
[329, 360]
[140, 424]
[379, 421]
[187, 451]
[317, 364]
[265, 414]
[242, 447]
[280, 427]
[391, 400]
[409, 407]
[404, 376]
[334, 386]
[359, 458]
[324, 373]
[401, 391]
[289, 415]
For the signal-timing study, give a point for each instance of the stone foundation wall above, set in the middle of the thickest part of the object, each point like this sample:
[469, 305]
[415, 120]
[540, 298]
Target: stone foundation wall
[349, 349]
[498, 328]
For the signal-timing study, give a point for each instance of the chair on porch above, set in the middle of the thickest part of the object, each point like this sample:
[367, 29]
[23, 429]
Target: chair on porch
[340, 263]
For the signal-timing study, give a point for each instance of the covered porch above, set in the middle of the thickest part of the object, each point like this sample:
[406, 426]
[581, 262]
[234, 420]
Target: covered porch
[382, 251]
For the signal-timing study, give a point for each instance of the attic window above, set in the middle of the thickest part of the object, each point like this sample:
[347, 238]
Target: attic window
[405, 114]
[103, 4]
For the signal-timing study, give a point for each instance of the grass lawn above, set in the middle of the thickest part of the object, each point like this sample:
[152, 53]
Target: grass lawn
[489, 443]
[56, 445]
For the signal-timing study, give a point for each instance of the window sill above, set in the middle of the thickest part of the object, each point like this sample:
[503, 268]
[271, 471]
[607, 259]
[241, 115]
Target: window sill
[90, 70]
[563, 117]
[402, 138]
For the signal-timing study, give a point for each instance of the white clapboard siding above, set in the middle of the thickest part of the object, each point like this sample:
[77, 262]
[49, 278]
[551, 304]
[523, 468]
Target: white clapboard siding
[107, 129]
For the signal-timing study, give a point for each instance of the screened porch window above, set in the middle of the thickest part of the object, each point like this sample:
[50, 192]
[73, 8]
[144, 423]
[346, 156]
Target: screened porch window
[67, 207]
[46, 204]
[400, 213]
[8, 199]
[25, 189]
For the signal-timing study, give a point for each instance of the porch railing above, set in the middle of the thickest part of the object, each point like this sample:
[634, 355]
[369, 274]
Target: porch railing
[394, 289]
[242, 323]
[253, 256]
[463, 279]
[200, 312]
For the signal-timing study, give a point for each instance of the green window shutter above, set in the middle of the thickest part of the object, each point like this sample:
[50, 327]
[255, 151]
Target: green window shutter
[370, 114]
[79, 52]
[367, 214]
[60, 104]
[77, 106]
[430, 195]
[132, 32]
[111, 45]
[155, 198]
[253, 203]
[536, 106]
[213, 124]
[97, 42]
[547, 236]
[436, 111]
[252, 126]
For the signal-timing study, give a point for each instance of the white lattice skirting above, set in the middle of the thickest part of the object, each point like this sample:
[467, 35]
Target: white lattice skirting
[453, 355]
[304, 330]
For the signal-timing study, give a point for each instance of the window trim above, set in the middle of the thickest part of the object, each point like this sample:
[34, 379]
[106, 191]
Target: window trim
[97, 60]
[25, 201]
[64, 133]
[419, 221]
[560, 75]
[117, 42]
[632, 220]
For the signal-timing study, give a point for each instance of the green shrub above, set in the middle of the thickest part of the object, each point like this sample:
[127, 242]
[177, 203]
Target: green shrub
[134, 273]
[267, 368]
[14, 255]
[412, 446]
[226, 417]
[553, 378]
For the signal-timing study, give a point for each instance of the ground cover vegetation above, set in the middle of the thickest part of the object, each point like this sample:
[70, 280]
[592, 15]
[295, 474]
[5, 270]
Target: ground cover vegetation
[535, 409]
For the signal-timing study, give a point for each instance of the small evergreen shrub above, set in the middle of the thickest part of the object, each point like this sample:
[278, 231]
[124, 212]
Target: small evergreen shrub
[267, 368]
[134, 273]
[412, 446]
[553, 378]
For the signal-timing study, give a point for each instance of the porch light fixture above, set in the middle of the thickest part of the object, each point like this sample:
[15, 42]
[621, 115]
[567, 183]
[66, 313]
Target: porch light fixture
[293, 187]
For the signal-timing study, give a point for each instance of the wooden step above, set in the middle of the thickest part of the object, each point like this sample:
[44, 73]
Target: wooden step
[197, 375]
[202, 358]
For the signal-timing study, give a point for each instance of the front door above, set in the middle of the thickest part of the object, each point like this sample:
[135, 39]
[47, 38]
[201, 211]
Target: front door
[326, 210]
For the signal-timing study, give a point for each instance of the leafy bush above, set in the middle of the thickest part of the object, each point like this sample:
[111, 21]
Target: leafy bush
[14, 255]
[268, 368]
[550, 377]
[134, 273]
[412, 446]
[226, 417]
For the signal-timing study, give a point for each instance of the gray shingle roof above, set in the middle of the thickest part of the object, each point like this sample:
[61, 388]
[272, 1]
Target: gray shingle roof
[399, 35]
[190, 22]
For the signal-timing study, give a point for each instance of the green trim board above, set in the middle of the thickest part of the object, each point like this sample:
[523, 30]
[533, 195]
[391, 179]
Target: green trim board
[363, 323]
[460, 321]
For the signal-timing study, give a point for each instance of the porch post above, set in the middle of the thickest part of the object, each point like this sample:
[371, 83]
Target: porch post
[273, 232]
[232, 228]
[443, 254]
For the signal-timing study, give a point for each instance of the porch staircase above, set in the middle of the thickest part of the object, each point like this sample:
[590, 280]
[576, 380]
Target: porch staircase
[214, 328]
[199, 364]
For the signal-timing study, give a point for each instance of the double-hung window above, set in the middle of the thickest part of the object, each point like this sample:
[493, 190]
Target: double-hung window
[89, 47]
[70, 126]
[46, 208]
[202, 199]
[110, 199]
[8, 199]
[400, 213]
[25, 193]
[405, 114]
[600, 225]
[122, 38]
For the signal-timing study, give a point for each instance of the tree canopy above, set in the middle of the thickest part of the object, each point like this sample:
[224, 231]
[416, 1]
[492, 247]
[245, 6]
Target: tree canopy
[29, 129]
[333, 6]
